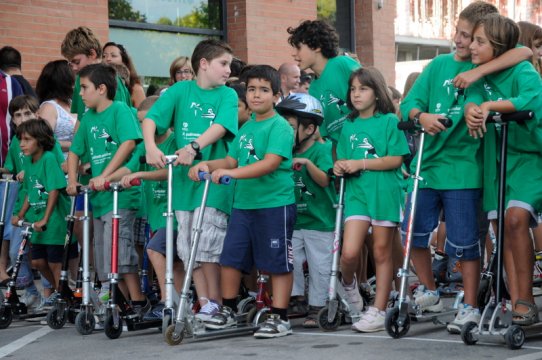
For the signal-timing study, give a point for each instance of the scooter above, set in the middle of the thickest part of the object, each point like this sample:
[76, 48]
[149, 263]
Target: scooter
[119, 309]
[398, 318]
[496, 319]
[11, 305]
[185, 322]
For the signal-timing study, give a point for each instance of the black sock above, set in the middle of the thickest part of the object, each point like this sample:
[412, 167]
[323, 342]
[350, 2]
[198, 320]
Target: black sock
[140, 303]
[231, 303]
[283, 313]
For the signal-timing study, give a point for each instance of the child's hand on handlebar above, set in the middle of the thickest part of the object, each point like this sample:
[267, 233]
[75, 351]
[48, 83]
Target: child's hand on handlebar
[194, 171]
[38, 225]
[97, 183]
[219, 173]
[126, 179]
[155, 158]
[71, 189]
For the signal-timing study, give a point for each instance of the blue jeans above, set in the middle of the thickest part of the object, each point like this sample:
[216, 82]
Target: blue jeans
[460, 209]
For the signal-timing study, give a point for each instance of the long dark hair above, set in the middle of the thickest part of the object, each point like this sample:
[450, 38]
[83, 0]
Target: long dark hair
[371, 77]
[55, 82]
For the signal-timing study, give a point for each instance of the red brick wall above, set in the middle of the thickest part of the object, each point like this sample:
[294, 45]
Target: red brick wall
[37, 27]
[375, 36]
[257, 28]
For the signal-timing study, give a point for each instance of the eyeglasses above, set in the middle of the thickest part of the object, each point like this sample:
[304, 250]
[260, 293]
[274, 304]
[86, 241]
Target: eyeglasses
[183, 72]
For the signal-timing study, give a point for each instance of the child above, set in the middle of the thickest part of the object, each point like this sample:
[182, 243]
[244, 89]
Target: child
[203, 113]
[45, 201]
[316, 47]
[315, 199]
[155, 205]
[452, 189]
[370, 143]
[530, 35]
[263, 215]
[514, 89]
[108, 135]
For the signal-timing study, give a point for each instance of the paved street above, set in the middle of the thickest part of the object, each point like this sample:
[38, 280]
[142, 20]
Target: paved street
[25, 340]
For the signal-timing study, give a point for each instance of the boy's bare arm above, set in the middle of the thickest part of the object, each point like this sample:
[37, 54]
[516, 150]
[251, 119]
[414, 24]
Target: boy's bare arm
[508, 59]
[267, 165]
[209, 166]
[186, 155]
[22, 212]
[154, 156]
[124, 150]
[73, 166]
[320, 177]
[380, 164]
[51, 202]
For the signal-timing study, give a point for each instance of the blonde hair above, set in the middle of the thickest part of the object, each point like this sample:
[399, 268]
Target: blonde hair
[80, 41]
[177, 64]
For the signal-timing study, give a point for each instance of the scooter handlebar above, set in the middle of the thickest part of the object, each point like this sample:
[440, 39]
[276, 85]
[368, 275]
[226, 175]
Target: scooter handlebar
[410, 125]
[224, 180]
[297, 166]
[516, 116]
[330, 173]
[108, 185]
[22, 223]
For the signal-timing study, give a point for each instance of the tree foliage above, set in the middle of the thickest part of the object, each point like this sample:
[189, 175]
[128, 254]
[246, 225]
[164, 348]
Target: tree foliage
[327, 10]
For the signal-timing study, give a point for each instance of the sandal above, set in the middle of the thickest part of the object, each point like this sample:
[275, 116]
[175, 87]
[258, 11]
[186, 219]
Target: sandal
[527, 318]
[311, 321]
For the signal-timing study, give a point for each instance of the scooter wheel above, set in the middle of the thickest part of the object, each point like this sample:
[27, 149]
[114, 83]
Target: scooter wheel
[6, 317]
[172, 338]
[71, 316]
[252, 315]
[467, 333]
[56, 319]
[85, 323]
[166, 321]
[112, 331]
[324, 323]
[391, 323]
[514, 337]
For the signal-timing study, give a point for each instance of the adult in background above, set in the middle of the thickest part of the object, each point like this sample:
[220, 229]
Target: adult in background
[290, 76]
[10, 63]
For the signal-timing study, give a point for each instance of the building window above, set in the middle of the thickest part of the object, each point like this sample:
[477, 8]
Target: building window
[331, 10]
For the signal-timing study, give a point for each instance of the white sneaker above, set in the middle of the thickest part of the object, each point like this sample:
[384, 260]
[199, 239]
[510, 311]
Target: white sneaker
[353, 297]
[223, 319]
[537, 273]
[428, 300]
[273, 327]
[465, 314]
[371, 320]
[208, 311]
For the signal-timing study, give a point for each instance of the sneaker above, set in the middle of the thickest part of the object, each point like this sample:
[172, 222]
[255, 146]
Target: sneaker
[537, 273]
[273, 327]
[142, 310]
[428, 300]
[46, 303]
[221, 320]
[208, 311]
[104, 295]
[353, 297]
[371, 320]
[156, 312]
[465, 314]
[32, 302]
[440, 266]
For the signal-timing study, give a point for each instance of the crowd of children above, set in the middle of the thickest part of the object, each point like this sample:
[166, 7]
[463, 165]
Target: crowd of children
[283, 148]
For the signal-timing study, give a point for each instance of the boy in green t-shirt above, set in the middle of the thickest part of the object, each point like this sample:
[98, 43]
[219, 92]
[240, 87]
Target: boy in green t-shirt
[451, 166]
[203, 113]
[263, 215]
[316, 47]
[315, 199]
[108, 135]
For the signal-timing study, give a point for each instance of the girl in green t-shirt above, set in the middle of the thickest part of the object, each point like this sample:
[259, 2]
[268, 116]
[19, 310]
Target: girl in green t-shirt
[514, 89]
[46, 202]
[370, 145]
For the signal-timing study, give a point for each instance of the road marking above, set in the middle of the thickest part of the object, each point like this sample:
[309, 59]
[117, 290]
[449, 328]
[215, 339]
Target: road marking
[411, 339]
[25, 340]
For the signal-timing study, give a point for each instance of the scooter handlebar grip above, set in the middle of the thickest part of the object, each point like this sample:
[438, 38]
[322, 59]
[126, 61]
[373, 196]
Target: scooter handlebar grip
[135, 182]
[446, 122]
[406, 125]
[224, 180]
[516, 116]
[297, 166]
[107, 186]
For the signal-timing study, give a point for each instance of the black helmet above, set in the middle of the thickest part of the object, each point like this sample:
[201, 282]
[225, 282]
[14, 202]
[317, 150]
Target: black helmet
[304, 105]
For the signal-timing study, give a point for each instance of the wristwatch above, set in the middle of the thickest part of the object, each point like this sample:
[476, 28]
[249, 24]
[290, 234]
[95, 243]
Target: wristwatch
[417, 117]
[195, 146]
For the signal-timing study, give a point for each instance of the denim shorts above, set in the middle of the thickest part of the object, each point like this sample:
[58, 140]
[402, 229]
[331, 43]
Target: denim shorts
[460, 208]
[261, 238]
[80, 203]
[157, 242]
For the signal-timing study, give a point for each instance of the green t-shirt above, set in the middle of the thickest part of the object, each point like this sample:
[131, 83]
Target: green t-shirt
[315, 209]
[100, 135]
[331, 88]
[256, 139]
[451, 159]
[522, 85]
[16, 162]
[376, 194]
[40, 178]
[191, 110]
[155, 192]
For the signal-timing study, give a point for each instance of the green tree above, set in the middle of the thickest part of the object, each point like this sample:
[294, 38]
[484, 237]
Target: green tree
[206, 16]
[327, 10]
[122, 10]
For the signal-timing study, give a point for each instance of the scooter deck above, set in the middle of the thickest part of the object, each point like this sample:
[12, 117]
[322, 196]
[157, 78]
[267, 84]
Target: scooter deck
[435, 317]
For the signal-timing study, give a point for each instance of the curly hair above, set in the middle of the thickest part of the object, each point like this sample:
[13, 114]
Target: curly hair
[40, 130]
[316, 34]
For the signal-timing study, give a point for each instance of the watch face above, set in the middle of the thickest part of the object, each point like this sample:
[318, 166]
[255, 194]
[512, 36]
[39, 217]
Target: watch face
[194, 145]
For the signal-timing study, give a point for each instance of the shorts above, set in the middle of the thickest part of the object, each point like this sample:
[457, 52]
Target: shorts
[128, 259]
[80, 203]
[261, 238]
[373, 222]
[140, 231]
[461, 210]
[158, 242]
[535, 216]
[211, 239]
[53, 253]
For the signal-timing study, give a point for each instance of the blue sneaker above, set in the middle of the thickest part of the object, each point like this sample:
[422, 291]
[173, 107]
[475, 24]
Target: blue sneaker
[156, 313]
